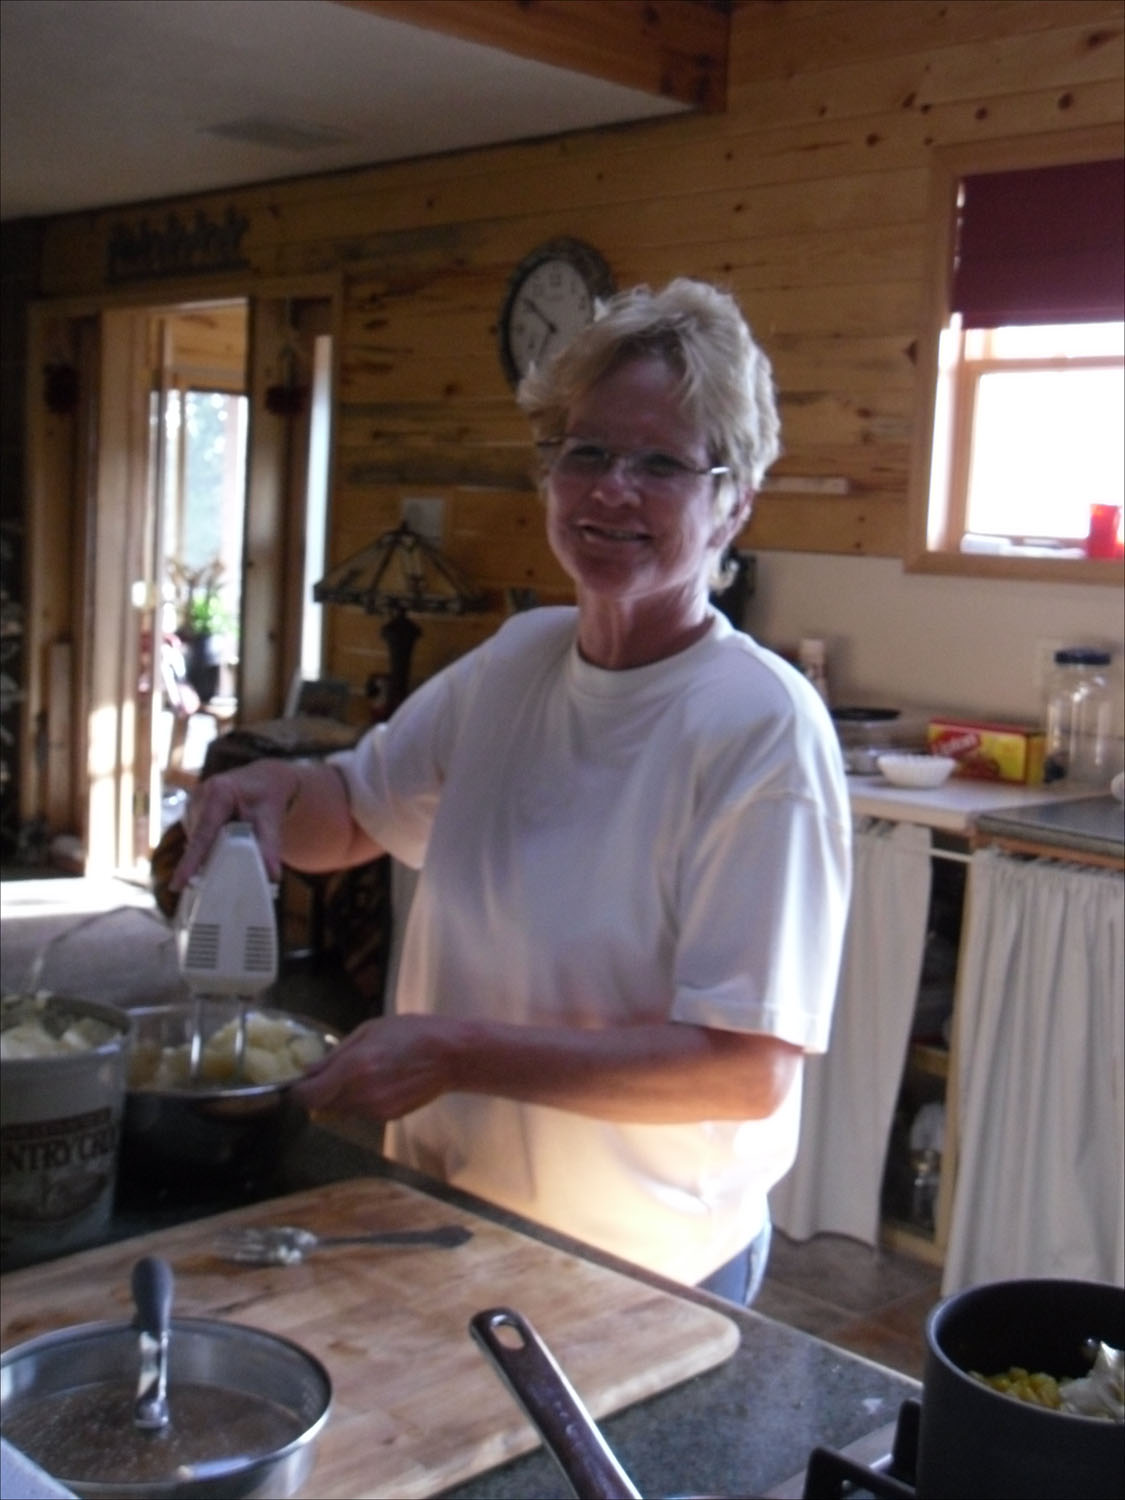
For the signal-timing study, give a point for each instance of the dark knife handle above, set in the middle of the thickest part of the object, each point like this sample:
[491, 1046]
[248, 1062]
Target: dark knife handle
[153, 1287]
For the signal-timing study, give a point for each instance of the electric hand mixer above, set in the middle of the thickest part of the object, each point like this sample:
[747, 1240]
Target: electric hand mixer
[226, 932]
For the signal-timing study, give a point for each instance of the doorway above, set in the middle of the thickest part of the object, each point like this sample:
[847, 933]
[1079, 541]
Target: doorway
[188, 599]
[235, 513]
[172, 485]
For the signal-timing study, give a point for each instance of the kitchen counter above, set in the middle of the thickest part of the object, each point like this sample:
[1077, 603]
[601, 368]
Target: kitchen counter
[956, 806]
[744, 1427]
[1087, 825]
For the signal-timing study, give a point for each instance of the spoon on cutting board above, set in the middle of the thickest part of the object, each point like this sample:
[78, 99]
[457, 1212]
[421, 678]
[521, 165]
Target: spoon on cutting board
[287, 1245]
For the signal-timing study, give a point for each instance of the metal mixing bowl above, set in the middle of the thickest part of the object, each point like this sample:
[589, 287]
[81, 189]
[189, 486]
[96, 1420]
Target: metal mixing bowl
[93, 1366]
[216, 1129]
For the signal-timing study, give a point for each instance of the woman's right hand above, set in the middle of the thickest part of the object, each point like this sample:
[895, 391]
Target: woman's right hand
[259, 794]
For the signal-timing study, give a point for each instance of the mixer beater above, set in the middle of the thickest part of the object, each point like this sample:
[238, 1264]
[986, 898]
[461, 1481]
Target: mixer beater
[226, 933]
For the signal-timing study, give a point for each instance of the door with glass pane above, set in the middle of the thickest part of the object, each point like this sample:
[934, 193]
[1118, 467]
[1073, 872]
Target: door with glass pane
[194, 526]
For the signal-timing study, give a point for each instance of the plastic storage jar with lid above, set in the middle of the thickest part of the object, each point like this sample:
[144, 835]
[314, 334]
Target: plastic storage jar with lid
[1079, 716]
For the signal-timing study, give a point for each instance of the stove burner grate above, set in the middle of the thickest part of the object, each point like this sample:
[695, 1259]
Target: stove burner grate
[833, 1476]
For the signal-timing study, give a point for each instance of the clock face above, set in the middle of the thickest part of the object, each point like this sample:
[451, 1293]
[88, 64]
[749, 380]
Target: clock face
[550, 299]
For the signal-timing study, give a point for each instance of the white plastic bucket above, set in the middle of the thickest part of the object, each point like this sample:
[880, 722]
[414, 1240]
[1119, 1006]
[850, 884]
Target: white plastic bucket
[60, 1128]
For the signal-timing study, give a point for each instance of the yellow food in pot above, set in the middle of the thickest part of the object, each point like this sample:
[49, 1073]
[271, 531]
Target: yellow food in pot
[1039, 1389]
[1100, 1394]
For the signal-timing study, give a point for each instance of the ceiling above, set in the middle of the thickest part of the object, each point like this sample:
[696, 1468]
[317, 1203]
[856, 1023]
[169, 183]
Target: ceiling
[109, 102]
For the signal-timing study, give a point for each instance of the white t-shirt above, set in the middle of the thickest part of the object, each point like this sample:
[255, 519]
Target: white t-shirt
[595, 847]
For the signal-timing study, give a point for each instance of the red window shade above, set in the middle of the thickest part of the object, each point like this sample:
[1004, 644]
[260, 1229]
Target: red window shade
[1042, 246]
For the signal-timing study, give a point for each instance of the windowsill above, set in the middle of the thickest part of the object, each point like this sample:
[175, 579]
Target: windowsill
[986, 546]
[1036, 569]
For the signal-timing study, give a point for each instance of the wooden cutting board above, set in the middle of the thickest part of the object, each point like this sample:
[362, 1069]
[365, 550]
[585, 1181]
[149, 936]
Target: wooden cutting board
[416, 1405]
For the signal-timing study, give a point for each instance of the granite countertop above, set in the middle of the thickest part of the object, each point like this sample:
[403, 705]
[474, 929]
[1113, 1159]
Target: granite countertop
[743, 1428]
[1088, 825]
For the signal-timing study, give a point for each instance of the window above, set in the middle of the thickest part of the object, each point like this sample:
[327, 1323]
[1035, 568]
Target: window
[205, 433]
[1020, 460]
[1039, 417]
[316, 509]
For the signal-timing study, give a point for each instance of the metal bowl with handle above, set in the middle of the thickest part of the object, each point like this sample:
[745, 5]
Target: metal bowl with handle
[215, 1129]
[242, 1408]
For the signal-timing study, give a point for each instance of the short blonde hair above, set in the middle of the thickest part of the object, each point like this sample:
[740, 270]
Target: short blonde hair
[726, 379]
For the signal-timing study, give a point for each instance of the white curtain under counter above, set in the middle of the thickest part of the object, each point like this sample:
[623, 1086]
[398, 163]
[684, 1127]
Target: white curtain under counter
[849, 1095]
[1040, 1186]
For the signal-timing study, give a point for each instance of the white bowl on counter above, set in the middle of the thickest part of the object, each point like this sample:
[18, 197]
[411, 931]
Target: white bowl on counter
[916, 770]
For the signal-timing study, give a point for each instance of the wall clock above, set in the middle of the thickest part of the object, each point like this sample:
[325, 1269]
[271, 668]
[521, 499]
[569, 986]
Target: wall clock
[550, 297]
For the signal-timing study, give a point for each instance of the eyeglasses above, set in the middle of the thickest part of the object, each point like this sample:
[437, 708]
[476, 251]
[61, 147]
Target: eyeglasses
[576, 459]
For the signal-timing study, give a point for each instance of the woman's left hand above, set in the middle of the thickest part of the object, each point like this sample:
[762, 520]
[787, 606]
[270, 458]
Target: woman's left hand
[661, 1073]
[385, 1069]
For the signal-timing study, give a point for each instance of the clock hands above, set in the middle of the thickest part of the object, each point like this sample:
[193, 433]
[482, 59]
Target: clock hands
[551, 328]
[541, 315]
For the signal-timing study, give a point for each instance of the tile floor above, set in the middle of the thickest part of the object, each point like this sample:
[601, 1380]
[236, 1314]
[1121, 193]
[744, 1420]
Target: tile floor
[873, 1302]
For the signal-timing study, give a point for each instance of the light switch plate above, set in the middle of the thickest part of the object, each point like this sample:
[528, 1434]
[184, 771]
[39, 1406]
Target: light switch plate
[425, 516]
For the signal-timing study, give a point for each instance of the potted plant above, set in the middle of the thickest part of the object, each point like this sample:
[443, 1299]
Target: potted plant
[203, 621]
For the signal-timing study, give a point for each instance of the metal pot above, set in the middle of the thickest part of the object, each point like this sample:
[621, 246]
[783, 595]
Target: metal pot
[87, 1375]
[219, 1131]
[976, 1441]
[866, 733]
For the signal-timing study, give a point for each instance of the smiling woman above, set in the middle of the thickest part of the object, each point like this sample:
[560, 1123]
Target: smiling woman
[640, 528]
[627, 818]
[651, 459]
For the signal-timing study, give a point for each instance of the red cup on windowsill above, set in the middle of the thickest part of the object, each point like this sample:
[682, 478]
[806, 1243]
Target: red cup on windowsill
[1104, 537]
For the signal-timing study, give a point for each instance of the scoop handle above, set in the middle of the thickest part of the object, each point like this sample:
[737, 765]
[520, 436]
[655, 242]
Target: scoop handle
[153, 1286]
[553, 1406]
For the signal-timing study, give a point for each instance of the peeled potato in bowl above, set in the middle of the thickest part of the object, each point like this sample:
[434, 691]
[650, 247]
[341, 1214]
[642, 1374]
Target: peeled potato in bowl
[278, 1049]
[223, 1123]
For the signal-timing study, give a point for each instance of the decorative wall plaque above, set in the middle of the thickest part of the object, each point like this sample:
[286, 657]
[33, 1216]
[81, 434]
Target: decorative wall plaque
[179, 247]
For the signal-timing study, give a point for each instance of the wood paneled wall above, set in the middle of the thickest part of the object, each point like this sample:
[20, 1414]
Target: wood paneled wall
[807, 198]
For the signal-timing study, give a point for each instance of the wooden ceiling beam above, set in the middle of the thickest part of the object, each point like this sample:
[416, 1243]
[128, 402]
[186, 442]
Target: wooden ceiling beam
[676, 49]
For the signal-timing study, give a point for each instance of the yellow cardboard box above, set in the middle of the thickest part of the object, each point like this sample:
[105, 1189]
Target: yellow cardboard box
[986, 751]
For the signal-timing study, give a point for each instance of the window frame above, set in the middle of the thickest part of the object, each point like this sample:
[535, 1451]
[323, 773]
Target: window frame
[965, 382]
[932, 544]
